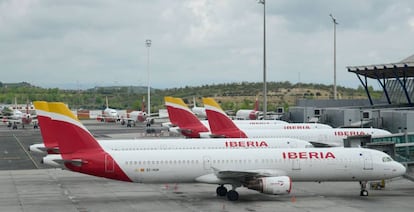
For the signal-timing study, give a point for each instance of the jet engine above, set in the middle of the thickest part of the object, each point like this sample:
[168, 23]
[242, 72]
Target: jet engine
[271, 185]
[54, 160]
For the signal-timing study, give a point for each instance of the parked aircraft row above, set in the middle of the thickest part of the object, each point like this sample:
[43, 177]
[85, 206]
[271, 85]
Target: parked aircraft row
[256, 164]
[131, 119]
[220, 125]
[18, 117]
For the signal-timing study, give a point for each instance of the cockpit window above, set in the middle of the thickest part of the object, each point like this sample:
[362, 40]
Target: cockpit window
[386, 159]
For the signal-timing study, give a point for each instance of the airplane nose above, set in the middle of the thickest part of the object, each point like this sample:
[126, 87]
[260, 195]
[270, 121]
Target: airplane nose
[400, 170]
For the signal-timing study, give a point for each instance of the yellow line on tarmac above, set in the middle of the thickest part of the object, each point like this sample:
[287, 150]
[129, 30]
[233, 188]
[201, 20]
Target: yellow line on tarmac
[27, 153]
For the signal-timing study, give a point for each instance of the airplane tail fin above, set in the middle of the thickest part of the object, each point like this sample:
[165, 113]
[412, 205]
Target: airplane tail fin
[45, 120]
[73, 136]
[27, 107]
[256, 104]
[194, 102]
[80, 151]
[181, 116]
[106, 101]
[143, 104]
[220, 124]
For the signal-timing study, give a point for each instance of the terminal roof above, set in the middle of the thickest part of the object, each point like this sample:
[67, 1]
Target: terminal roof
[404, 68]
[400, 72]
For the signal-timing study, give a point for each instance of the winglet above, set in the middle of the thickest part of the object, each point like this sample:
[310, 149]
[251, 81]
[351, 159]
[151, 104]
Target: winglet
[220, 124]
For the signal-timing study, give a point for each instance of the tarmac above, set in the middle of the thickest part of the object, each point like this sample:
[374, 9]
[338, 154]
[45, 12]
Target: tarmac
[28, 185]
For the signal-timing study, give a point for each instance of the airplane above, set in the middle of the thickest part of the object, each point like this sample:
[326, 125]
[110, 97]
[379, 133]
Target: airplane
[108, 114]
[266, 170]
[180, 115]
[135, 116]
[200, 112]
[246, 114]
[50, 144]
[18, 117]
[222, 126]
[190, 126]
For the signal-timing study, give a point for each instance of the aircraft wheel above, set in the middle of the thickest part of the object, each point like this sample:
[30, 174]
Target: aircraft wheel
[221, 191]
[232, 195]
[14, 127]
[364, 193]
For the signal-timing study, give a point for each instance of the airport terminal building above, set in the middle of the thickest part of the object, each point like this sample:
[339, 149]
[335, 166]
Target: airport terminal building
[393, 112]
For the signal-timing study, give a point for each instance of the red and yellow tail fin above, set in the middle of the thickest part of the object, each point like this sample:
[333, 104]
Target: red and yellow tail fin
[80, 151]
[73, 136]
[184, 118]
[220, 124]
[45, 121]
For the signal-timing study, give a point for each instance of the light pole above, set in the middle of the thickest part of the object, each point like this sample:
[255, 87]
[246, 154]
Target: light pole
[264, 60]
[148, 44]
[335, 23]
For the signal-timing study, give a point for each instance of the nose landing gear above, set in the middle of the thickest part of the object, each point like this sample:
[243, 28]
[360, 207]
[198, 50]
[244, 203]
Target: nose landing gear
[364, 191]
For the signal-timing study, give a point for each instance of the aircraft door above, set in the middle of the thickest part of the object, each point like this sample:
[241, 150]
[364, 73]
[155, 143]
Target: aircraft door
[109, 164]
[367, 160]
[207, 162]
[295, 164]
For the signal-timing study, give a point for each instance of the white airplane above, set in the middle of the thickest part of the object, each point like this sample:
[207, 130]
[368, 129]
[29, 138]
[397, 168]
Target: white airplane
[19, 118]
[246, 114]
[135, 116]
[222, 126]
[242, 114]
[198, 111]
[190, 126]
[50, 144]
[108, 114]
[270, 171]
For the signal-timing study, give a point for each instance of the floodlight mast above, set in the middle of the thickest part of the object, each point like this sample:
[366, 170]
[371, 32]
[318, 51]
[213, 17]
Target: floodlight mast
[335, 23]
[148, 44]
[264, 60]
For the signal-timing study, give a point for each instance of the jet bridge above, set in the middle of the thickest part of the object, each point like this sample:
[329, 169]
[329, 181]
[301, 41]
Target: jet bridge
[404, 149]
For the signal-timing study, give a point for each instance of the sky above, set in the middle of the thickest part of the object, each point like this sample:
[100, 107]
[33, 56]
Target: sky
[80, 44]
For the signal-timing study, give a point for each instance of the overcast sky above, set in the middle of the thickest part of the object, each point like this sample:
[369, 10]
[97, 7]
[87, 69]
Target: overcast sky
[87, 43]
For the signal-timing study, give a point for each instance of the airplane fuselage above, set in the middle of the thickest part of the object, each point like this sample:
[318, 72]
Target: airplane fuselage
[329, 137]
[320, 164]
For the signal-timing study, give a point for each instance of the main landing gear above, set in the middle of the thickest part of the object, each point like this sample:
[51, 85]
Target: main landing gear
[232, 195]
[364, 191]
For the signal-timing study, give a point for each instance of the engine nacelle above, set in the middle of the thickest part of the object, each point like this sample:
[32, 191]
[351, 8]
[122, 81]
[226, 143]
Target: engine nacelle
[53, 160]
[38, 148]
[271, 185]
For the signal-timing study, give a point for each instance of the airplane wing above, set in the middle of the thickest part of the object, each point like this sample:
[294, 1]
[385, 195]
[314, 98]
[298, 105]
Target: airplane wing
[238, 176]
[12, 121]
[226, 174]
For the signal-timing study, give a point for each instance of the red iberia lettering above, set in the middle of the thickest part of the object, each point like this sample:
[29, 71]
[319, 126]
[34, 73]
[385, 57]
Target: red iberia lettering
[296, 127]
[308, 155]
[259, 123]
[348, 133]
[248, 144]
